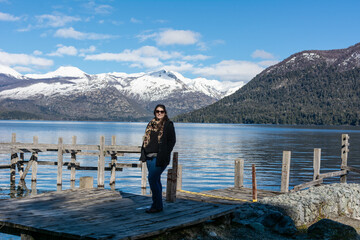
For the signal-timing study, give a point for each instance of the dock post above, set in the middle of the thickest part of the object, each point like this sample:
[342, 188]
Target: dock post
[285, 172]
[254, 185]
[344, 155]
[20, 165]
[60, 161]
[101, 163]
[113, 164]
[172, 180]
[316, 163]
[239, 173]
[72, 164]
[34, 157]
[179, 178]
[143, 178]
[14, 159]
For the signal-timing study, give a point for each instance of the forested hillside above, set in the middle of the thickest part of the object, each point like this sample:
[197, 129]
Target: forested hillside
[310, 87]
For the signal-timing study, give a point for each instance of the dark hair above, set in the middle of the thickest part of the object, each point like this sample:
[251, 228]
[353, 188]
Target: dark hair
[163, 107]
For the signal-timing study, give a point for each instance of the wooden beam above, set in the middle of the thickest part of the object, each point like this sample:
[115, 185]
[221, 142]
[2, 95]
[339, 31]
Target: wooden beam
[333, 174]
[352, 169]
[307, 184]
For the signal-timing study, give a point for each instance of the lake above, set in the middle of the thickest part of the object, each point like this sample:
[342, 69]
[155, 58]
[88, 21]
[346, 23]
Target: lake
[206, 151]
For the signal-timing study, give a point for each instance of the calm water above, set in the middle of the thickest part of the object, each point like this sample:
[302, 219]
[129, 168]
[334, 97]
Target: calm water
[206, 151]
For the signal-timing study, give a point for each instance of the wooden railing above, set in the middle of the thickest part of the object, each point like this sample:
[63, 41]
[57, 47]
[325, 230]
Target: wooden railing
[17, 151]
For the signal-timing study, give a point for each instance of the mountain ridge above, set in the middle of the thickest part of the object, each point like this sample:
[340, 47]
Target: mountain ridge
[319, 87]
[133, 96]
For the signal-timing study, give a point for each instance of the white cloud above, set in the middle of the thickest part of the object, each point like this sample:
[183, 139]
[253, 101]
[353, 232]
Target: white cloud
[179, 66]
[48, 20]
[92, 48]
[181, 37]
[230, 70]
[13, 59]
[147, 56]
[196, 57]
[72, 33]
[23, 69]
[37, 52]
[98, 9]
[262, 54]
[64, 50]
[134, 20]
[8, 17]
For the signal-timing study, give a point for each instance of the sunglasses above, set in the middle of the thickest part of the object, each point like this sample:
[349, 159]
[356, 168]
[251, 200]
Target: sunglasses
[159, 111]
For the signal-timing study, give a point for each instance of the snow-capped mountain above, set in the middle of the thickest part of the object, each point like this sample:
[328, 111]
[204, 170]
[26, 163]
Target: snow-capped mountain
[70, 93]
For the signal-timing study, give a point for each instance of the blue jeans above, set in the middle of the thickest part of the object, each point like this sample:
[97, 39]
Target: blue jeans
[154, 178]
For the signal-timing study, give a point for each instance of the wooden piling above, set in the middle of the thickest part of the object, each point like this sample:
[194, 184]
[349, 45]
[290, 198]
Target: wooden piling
[34, 157]
[143, 177]
[344, 155]
[239, 173]
[60, 161]
[101, 164]
[13, 161]
[254, 185]
[285, 171]
[113, 164]
[72, 164]
[179, 178]
[316, 163]
[172, 180]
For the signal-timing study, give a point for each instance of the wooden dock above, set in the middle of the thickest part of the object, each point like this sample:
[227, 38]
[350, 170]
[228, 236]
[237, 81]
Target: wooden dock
[100, 214]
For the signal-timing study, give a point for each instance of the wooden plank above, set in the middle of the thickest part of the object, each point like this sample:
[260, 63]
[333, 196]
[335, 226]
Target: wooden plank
[5, 166]
[90, 168]
[307, 184]
[333, 174]
[129, 165]
[352, 169]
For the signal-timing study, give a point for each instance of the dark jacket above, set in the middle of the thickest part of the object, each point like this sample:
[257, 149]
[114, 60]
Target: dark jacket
[166, 145]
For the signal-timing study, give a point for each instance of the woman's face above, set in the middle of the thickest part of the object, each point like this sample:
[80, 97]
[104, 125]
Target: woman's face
[159, 112]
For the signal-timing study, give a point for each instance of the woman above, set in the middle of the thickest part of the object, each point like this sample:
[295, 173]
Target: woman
[159, 141]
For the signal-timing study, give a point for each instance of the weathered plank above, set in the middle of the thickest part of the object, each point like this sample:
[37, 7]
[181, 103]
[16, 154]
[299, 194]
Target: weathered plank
[100, 214]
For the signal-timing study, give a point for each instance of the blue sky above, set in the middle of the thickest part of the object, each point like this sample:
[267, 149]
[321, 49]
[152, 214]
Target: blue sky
[223, 40]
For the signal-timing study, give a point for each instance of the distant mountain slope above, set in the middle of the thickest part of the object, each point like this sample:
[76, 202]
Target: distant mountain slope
[71, 94]
[310, 87]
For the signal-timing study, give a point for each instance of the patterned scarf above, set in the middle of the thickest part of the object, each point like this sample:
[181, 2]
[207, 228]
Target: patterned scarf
[154, 125]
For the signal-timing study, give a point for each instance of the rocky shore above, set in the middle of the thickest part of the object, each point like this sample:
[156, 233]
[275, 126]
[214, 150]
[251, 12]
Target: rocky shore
[323, 212]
